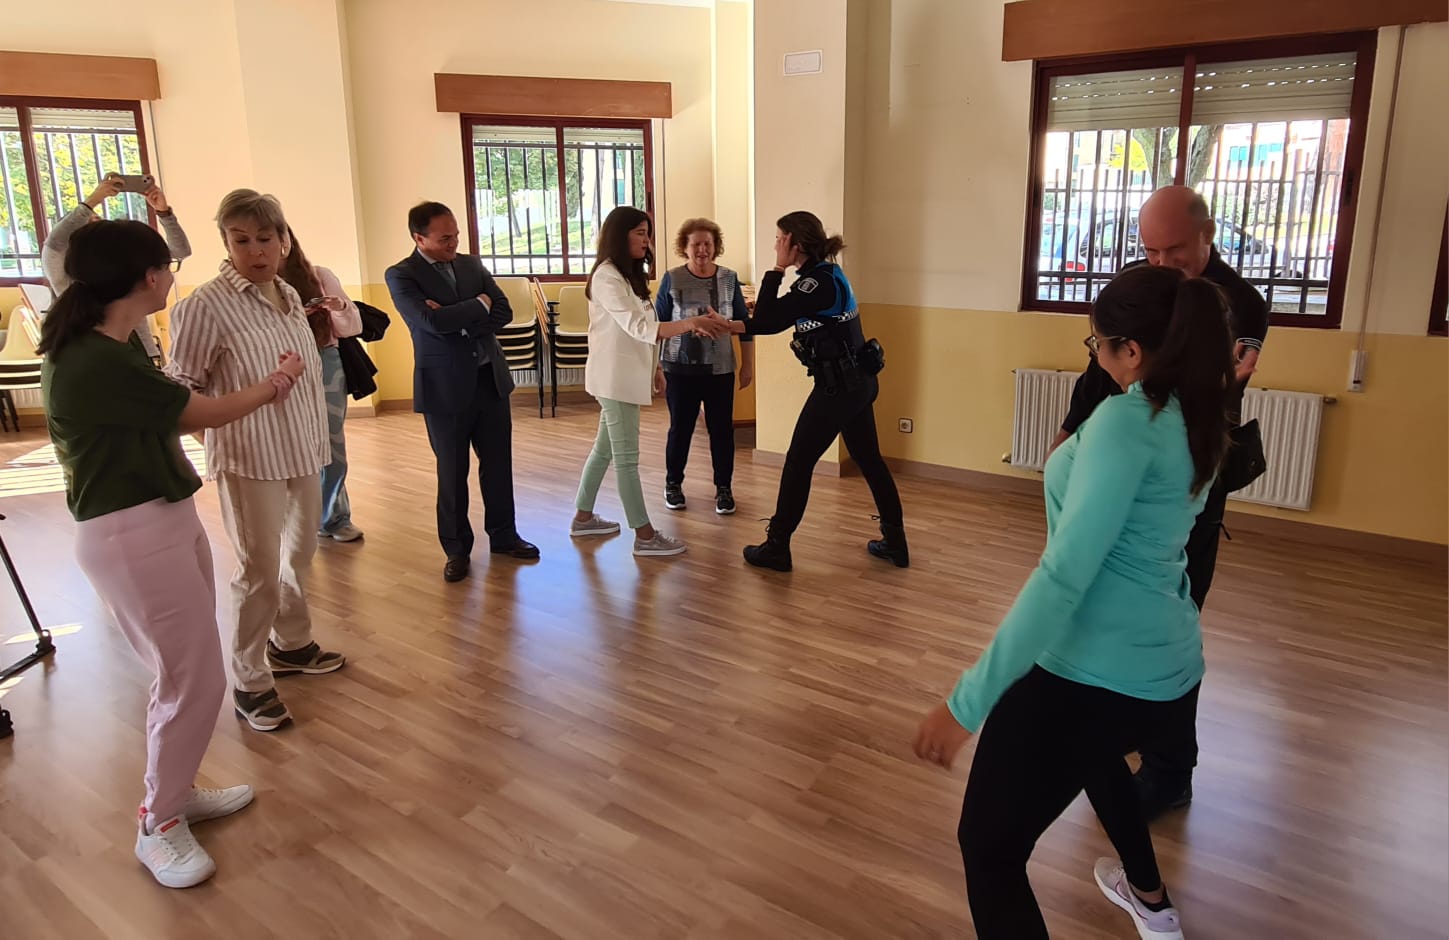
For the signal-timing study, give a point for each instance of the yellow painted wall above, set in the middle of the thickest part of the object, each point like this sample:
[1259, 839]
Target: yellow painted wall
[936, 246]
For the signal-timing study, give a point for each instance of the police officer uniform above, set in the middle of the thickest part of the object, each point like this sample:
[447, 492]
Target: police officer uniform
[820, 307]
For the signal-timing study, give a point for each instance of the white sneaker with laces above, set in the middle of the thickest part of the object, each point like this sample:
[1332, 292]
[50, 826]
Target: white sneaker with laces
[1165, 924]
[661, 544]
[207, 803]
[172, 853]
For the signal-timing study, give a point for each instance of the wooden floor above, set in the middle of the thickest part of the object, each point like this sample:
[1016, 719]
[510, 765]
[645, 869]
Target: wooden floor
[598, 746]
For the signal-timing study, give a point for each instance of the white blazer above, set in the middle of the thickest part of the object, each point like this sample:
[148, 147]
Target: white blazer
[623, 340]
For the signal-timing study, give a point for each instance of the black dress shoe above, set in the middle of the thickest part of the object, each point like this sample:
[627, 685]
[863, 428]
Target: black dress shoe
[457, 568]
[518, 548]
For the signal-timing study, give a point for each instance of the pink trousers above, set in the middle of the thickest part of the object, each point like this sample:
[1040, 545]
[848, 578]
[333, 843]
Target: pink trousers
[151, 565]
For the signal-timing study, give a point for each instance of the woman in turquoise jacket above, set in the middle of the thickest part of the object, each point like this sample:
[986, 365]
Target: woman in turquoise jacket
[1102, 647]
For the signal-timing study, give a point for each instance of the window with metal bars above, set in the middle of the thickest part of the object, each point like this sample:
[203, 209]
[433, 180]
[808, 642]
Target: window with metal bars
[1271, 134]
[53, 153]
[539, 190]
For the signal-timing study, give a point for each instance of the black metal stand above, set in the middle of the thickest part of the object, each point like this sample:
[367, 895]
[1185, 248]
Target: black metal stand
[44, 645]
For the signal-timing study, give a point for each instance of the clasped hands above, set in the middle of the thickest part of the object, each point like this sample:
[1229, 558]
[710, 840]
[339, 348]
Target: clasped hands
[712, 325]
[288, 371]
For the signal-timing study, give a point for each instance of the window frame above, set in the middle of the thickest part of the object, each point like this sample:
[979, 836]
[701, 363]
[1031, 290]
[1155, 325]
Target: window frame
[1439, 300]
[23, 105]
[559, 125]
[1363, 44]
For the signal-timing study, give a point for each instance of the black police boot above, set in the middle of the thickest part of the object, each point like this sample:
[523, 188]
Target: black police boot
[891, 546]
[773, 553]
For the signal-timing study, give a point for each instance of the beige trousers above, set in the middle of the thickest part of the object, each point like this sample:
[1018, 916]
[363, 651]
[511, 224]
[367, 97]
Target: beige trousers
[272, 525]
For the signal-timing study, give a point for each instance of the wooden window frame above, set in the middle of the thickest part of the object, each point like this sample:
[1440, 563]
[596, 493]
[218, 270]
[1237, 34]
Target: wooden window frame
[23, 105]
[559, 125]
[1364, 44]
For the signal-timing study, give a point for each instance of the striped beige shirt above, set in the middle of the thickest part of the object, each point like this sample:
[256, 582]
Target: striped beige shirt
[226, 336]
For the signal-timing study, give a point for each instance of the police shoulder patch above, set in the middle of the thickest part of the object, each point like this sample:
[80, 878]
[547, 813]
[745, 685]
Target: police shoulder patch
[806, 285]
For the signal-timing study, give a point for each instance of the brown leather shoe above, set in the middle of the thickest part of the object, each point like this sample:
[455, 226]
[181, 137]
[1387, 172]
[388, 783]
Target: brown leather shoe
[457, 568]
[518, 548]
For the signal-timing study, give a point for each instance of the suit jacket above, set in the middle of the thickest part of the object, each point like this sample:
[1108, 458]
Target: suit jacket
[448, 342]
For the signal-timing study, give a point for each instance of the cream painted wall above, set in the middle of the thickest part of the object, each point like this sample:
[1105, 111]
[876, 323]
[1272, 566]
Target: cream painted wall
[799, 163]
[251, 96]
[408, 152]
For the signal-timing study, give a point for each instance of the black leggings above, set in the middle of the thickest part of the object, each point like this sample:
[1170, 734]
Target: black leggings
[685, 393]
[850, 415]
[1047, 740]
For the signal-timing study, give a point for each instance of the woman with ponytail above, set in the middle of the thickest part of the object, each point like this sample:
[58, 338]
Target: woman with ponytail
[332, 315]
[1102, 648]
[116, 424]
[820, 307]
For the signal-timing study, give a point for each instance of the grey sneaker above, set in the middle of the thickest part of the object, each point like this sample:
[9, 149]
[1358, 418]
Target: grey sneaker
[661, 544]
[264, 711]
[1165, 924]
[347, 532]
[596, 525]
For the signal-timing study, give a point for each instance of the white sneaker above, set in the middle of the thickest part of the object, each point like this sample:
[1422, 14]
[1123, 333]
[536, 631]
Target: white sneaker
[172, 853]
[661, 544]
[594, 525]
[1165, 924]
[206, 803]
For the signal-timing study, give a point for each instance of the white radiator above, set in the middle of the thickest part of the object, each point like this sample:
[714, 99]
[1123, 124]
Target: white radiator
[1042, 397]
[1290, 422]
[27, 398]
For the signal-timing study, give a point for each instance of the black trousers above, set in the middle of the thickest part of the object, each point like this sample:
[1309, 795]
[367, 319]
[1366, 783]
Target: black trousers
[1046, 741]
[851, 415]
[1171, 758]
[685, 393]
[487, 428]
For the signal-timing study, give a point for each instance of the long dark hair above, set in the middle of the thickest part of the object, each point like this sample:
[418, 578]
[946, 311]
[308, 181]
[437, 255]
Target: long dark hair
[298, 271]
[105, 262]
[1182, 324]
[614, 246]
[807, 233]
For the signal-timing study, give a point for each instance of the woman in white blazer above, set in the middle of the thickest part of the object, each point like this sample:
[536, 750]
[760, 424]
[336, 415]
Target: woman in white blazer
[624, 335]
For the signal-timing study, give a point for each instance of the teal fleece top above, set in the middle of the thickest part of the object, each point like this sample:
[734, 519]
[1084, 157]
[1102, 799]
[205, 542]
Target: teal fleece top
[1108, 603]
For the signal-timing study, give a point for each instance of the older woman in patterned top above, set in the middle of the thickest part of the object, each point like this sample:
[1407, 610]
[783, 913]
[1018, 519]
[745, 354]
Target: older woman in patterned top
[225, 336]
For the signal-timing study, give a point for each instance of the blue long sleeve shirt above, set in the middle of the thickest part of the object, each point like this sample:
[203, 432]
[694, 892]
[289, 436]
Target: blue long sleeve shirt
[1108, 604]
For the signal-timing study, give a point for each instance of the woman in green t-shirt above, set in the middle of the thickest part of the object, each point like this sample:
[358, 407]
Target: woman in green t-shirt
[116, 424]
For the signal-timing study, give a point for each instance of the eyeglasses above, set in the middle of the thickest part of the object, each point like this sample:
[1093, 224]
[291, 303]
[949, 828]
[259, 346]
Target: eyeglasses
[174, 265]
[1094, 345]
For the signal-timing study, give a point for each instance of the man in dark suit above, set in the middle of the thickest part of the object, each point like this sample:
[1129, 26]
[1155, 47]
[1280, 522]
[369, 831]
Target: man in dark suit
[460, 382]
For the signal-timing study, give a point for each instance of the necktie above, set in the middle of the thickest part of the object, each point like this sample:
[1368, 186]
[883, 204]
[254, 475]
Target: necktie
[445, 268]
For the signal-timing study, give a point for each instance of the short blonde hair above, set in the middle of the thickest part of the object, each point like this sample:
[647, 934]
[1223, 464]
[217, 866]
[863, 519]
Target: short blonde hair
[690, 226]
[263, 209]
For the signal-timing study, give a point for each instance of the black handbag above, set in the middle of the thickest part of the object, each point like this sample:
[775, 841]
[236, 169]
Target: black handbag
[1245, 460]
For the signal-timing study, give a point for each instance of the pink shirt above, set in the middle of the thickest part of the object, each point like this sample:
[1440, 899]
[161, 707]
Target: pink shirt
[345, 322]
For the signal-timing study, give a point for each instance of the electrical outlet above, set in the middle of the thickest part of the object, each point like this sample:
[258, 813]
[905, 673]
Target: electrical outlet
[907, 425]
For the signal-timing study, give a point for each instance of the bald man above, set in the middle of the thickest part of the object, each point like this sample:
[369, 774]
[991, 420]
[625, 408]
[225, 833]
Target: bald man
[1176, 230]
